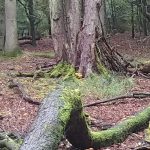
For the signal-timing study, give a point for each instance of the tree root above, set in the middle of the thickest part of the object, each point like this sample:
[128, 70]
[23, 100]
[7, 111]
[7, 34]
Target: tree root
[134, 95]
[22, 93]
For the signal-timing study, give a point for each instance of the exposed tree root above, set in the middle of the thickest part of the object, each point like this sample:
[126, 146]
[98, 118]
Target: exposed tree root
[37, 74]
[109, 58]
[134, 95]
[22, 93]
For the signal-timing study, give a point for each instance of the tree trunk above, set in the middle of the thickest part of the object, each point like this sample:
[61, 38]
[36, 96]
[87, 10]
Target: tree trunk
[77, 26]
[132, 20]
[63, 114]
[32, 21]
[86, 40]
[11, 43]
[65, 25]
[144, 18]
[2, 24]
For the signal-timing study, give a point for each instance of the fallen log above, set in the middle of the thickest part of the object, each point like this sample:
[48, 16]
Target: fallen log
[61, 115]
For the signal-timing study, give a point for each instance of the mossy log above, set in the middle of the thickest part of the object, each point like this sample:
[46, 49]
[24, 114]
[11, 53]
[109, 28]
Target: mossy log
[6, 142]
[63, 114]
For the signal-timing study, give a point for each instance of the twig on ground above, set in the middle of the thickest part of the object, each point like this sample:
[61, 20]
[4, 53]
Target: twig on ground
[134, 95]
[22, 93]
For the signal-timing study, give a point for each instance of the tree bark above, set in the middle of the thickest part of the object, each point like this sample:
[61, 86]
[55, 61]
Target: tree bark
[47, 129]
[65, 25]
[11, 43]
[86, 44]
[76, 28]
[32, 21]
[2, 24]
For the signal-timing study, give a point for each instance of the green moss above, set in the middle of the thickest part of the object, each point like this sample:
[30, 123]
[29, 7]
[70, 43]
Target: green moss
[72, 103]
[72, 100]
[63, 70]
[103, 71]
[120, 132]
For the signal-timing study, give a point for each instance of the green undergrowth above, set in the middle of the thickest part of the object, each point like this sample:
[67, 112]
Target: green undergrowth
[39, 88]
[13, 54]
[100, 86]
[63, 70]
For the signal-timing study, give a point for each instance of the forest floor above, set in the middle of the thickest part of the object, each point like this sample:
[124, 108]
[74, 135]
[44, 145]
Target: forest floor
[16, 115]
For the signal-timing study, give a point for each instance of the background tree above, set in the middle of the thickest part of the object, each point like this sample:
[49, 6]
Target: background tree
[2, 24]
[11, 43]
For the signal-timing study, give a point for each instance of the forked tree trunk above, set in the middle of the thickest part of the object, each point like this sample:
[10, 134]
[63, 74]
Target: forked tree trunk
[11, 43]
[76, 28]
[73, 31]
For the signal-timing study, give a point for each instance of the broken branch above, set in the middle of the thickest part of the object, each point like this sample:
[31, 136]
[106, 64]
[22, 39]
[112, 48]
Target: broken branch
[22, 93]
[134, 95]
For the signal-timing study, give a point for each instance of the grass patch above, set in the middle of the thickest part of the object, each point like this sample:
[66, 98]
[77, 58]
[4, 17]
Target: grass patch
[101, 87]
[13, 54]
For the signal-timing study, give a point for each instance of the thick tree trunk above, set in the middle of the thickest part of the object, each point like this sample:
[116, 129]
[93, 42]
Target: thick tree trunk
[65, 26]
[11, 43]
[86, 40]
[77, 26]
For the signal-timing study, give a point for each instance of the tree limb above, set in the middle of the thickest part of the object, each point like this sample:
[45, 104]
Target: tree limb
[134, 95]
[22, 93]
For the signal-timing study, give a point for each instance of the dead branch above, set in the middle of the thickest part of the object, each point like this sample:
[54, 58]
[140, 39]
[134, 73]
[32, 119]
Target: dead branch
[134, 95]
[22, 93]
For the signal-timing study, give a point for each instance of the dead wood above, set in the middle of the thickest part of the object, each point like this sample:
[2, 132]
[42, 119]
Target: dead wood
[134, 95]
[7, 142]
[25, 42]
[22, 93]
[37, 74]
